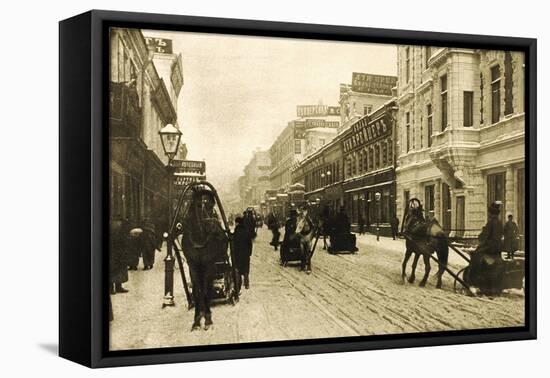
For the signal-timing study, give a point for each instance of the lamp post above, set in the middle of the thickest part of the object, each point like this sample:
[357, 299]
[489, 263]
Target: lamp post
[170, 137]
[377, 196]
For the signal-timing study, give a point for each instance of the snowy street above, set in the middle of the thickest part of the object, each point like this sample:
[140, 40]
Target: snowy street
[346, 295]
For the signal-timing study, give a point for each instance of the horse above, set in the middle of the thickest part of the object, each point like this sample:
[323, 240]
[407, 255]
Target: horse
[423, 239]
[204, 242]
[305, 232]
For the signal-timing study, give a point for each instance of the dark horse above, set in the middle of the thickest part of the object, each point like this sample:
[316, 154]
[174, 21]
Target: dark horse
[423, 238]
[204, 242]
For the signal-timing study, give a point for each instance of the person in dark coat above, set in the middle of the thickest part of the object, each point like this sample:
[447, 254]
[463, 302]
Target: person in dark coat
[486, 266]
[361, 224]
[149, 244]
[133, 249]
[325, 225]
[118, 255]
[290, 226]
[242, 247]
[249, 222]
[394, 226]
[273, 226]
[511, 237]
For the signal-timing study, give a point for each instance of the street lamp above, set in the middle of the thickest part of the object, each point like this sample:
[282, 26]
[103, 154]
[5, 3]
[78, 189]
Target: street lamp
[377, 196]
[170, 137]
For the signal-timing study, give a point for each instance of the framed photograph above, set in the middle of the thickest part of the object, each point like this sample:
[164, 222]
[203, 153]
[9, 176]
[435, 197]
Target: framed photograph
[234, 188]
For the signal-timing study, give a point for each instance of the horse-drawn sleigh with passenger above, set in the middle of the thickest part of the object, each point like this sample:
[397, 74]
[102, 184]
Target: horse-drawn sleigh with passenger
[201, 239]
[485, 268]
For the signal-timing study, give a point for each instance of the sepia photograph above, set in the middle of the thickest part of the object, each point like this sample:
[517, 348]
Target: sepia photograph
[267, 189]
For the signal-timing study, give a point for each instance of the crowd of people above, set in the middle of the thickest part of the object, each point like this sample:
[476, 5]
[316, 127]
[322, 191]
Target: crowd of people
[129, 243]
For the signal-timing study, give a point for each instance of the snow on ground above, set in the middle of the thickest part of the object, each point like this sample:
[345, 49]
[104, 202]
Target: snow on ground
[346, 295]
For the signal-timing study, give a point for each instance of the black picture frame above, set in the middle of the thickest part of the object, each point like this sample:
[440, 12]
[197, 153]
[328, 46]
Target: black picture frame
[83, 181]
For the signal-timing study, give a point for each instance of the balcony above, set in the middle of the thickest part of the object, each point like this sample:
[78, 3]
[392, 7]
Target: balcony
[454, 151]
[124, 111]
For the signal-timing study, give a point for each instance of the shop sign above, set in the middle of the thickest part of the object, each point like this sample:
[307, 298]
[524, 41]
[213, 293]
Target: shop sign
[373, 84]
[362, 133]
[159, 45]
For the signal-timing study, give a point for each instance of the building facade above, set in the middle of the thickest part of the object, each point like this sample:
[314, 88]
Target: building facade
[139, 107]
[255, 181]
[461, 134]
[369, 185]
[366, 93]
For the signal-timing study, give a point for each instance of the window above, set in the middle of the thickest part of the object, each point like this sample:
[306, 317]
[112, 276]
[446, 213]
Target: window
[366, 160]
[297, 146]
[408, 130]
[421, 133]
[446, 206]
[427, 55]
[496, 186]
[495, 94]
[430, 123]
[468, 109]
[377, 155]
[407, 64]
[481, 98]
[390, 151]
[367, 109]
[508, 84]
[443, 82]
[384, 154]
[371, 158]
[429, 201]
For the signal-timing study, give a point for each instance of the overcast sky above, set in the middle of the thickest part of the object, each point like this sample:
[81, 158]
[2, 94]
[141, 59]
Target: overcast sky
[240, 92]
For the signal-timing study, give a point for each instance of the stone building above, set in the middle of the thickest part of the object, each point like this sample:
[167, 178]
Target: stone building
[368, 147]
[255, 181]
[366, 93]
[461, 133]
[140, 105]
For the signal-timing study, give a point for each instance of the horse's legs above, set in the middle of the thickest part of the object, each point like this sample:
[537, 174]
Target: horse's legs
[427, 268]
[408, 254]
[415, 262]
[196, 296]
[208, 288]
[443, 257]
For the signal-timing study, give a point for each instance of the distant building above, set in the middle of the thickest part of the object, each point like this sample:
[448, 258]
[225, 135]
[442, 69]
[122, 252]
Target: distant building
[461, 133]
[255, 181]
[366, 93]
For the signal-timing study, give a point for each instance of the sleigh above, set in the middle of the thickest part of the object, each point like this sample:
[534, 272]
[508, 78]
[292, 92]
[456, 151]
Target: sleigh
[225, 272]
[487, 273]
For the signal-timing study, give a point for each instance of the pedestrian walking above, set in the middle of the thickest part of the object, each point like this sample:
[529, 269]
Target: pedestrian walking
[361, 224]
[326, 225]
[273, 226]
[149, 244]
[242, 247]
[511, 237]
[394, 224]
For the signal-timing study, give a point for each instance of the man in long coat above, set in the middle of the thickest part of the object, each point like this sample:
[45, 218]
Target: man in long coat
[242, 247]
[118, 255]
[511, 237]
[486, 265]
